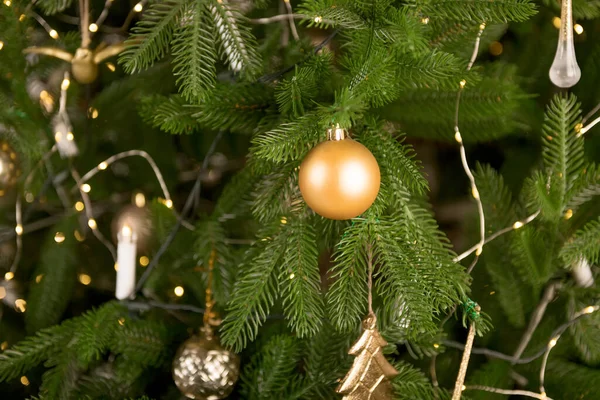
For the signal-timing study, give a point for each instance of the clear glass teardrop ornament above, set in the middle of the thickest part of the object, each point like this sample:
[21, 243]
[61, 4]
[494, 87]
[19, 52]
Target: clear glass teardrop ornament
[564, 71]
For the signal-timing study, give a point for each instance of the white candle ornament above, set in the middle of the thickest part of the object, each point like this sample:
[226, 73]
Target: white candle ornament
[126, 259]
[564, 71]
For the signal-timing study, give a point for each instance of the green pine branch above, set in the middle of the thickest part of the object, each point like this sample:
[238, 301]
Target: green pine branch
[290, 141]
[347, 295]
[585, 243]
[236, 42]
[411, 383]
[194, 54]
[331, 13]
[151, 36]
[277, 194]
[299, 279]
[171, 114]
[585, 188]
[210, 236]
[255, 290]
[267, 376]
[396, 159]
[585, 333]
[33, 350]
[57, 268]
[51, 7]
[478, 10]
[499, 211]
[562, 149]
[533, 257]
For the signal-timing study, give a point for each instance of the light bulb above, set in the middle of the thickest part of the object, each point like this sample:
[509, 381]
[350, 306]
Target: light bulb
[564, 71]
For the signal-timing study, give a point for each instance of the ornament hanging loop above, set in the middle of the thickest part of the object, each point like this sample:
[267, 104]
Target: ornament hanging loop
[336, 133]
[210, 316]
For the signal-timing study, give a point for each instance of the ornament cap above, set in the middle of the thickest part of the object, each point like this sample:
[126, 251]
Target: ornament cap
[337, 133]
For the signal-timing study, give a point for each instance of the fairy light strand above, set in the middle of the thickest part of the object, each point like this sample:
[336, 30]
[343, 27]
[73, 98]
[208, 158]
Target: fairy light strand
[90, 215]
[186, 208]
[290, 15]
[463, 154]
[525, 393]
[103, 165]
[19, 235]
[545, 351]
[515, 226]
[51, 31]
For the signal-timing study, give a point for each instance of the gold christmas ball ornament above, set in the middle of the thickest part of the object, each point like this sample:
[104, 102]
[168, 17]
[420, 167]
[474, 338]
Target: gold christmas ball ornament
[339, 178]
[204, 370]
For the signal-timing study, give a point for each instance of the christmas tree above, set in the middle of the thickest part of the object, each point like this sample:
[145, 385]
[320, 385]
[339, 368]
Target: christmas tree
[205, 198]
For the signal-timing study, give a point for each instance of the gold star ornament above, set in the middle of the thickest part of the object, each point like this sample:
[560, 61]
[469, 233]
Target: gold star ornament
[84, 63]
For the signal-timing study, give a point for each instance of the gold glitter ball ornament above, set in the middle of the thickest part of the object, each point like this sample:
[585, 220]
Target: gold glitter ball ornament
[204, 370]
[339, 178]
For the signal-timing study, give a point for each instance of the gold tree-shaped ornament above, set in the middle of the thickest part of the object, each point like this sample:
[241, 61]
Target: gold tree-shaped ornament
[369, 377]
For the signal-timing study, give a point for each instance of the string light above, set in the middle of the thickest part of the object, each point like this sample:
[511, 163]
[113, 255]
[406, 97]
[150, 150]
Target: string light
[283, 220]
[556, 22]
[436, 346]
[85, 188]
[85, 279]
[102, 166]
[4, 346]
[2, 292]
[59, 237]
[79, 206]
[92, 112]
[139, 200]
[78, 236]
[458, 137]
[7, 3]
[93, 28]
[144, 261]
[168, 203]
[24, 381]
[463, 83]
[116, 266]
[578, 29]
[1, 44]
[589, 309]
[92, 223]
[138, 7]
[111, 67]
[552, 342]
[121, 321]
[318, 20]
[21, 305]
[38, 278]
[22, 17]
[46, 100]
[19, 229]
[517, 225]
[178, 291]
[53, 34]
[425, 20]
[292, 276]
[568, 214]
[65, 84]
